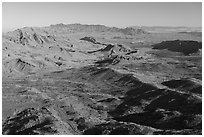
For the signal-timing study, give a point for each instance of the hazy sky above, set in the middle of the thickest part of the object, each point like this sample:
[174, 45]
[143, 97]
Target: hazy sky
[18, 15]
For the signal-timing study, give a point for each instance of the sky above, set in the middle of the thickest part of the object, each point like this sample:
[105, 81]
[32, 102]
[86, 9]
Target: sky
[31, 14]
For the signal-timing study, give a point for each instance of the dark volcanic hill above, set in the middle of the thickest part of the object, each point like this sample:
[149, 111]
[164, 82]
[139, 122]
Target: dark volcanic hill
[185, 47]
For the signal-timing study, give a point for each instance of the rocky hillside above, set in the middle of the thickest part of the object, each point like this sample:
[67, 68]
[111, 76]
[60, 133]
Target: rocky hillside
[100, 101]
[54, 48]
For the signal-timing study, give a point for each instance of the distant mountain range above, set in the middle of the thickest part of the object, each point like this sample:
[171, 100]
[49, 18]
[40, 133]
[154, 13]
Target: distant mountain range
[99, 28]
[131, 30]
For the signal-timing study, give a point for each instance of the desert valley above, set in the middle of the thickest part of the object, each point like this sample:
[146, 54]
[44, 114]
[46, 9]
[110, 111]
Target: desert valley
[99, 80]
